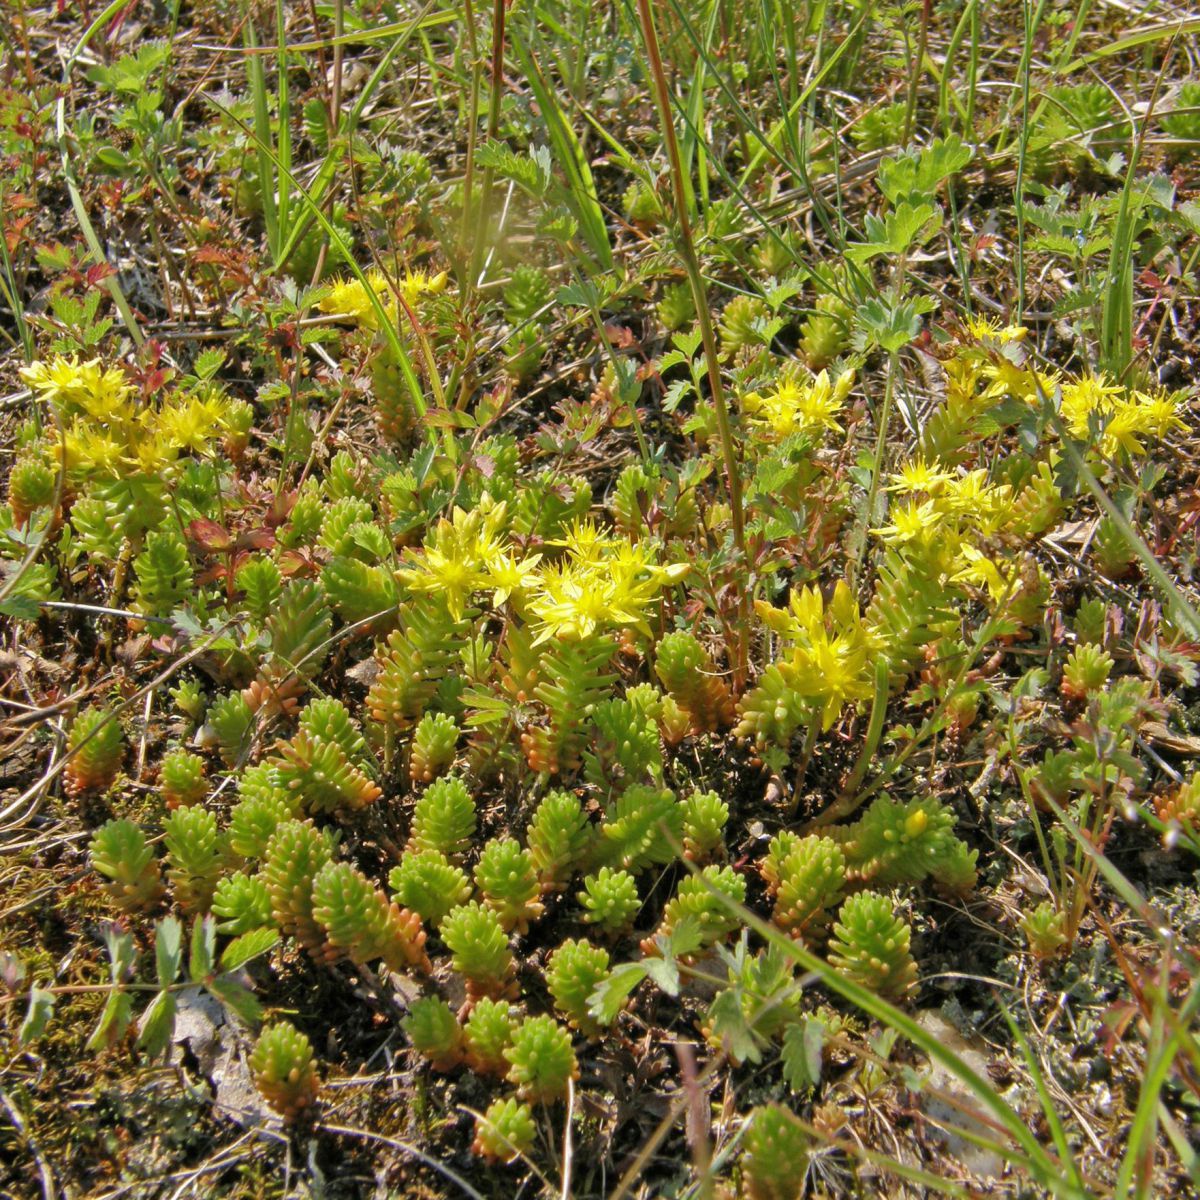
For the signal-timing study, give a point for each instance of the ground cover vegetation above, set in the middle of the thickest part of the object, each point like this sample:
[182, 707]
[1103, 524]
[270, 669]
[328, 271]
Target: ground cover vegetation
[598, 600]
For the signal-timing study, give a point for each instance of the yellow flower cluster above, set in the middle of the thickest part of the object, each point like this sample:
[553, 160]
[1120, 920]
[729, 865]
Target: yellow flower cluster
[1116, 420]
[111, 432]
[350, 298]
[1125, 418]
[794, 408]
[827, 656]
[600, 583]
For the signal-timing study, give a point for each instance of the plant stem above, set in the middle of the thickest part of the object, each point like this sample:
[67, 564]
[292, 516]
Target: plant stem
[493, 128]
[692, 266]
[885, 415]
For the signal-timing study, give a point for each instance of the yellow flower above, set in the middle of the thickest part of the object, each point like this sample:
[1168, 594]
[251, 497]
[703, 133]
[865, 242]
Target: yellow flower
[826, 660]
[573, 605]
[911, 521]
[418, 283]
[1012, 377]
[606, 582]
[919, 476]
[511, 576]
[983, 329]
[801, 407]
[454, 560]
[349, 298]
[979, 570]
[1084, 396]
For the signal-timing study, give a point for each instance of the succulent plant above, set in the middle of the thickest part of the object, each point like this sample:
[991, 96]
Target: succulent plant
[443, 819]
[573, 973]
[321, 776]
[745, 323]
[488, 1034]
[894, 842]
[362, 924]
[416, 657]
[642, 829]
[340, 519]
[880, 128]
[812, 878]
[674, 721]
[625, 747]
[31, 486]
[119, 852]
[573, 679]
[611, 900]
[527, 292]
[771, 867]
[193, 856]
[182, 778]
[825, 333]
[1183, 121]
[541, 1060]
[1180, 807]
[429, 884]
[775, 1160]
[434, 743]
[635, 493]
[1111, 551]
[1091, 617]
[95, 748]
[243, 902]
[677, 307]
[232, 721]
[435, 1032]
[704, 901]
[1086, 671]
[162, 573]
[505, 1132]
[238, 423]
[296, 852]
[704, 818]
[775, 252]
[641, 204]
[690, 676]
[508, 882]
[559, 838]
[871, 945]
[479, 949]
[188, 697]
[258, 813]
[283, 1070]
[1045, 930]
[361, 593]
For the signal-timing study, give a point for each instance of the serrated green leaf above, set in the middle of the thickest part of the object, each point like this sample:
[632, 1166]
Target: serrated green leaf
[158, 1023]
[168, 950]
[37, 1016]
[204, 949]
[19, 607]
[250, 945]
[728, 1022]
[114, 1021]
[608, 999]
[672, 358]
[800, 1054]
[236, 997]
[890, 327]
[121, 952]
[208, 362]
[665, 973]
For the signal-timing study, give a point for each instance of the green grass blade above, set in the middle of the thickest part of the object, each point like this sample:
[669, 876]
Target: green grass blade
[568, 153]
